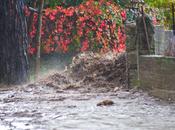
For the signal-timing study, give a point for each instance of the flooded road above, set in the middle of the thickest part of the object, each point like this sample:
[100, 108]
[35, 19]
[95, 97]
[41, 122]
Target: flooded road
[45, 108]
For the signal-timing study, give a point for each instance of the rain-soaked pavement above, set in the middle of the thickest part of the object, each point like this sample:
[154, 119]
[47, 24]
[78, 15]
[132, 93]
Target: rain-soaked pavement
[45, 108]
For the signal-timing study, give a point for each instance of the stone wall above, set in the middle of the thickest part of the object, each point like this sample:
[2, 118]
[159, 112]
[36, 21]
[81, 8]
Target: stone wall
[156, 72]
[131, 53]
[157, 75]
[163, 40]
[159, 38]
[131, 31]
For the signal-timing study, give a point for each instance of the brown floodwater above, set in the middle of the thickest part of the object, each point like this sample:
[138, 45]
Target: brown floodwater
[46, 108]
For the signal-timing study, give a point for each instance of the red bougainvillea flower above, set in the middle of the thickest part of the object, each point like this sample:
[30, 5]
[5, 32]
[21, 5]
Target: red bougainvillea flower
[31, 50]
[85, 45]
[123, 14]
[121, 39]
[47, 11]
[52, 17]
[154, 19]
[91, 25]
[54, 12]
[97, 12]
[69, 12]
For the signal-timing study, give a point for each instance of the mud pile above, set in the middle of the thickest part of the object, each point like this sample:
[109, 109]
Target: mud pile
[92, 72]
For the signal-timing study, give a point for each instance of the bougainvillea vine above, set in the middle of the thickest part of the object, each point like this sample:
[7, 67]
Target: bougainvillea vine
[92, 25]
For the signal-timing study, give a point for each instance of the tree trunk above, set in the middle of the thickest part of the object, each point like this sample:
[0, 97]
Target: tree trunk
[38, 39]
[31, 16]
[13, 42]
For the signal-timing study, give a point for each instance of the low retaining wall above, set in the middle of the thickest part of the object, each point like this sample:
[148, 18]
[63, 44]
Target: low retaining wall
[157, 75]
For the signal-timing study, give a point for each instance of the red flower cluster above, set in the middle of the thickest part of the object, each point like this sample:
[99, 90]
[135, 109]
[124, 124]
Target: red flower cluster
[91, 25]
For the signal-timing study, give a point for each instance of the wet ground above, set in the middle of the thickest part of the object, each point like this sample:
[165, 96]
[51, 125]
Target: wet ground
[69, 100]
[46, 108]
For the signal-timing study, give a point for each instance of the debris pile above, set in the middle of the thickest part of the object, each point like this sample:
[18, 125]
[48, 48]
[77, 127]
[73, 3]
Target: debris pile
[92, 72]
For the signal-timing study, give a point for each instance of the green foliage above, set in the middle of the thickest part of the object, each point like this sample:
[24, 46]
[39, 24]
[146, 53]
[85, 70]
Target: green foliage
[159, 3]
[164, 6]
[65, 3]
[122, 3]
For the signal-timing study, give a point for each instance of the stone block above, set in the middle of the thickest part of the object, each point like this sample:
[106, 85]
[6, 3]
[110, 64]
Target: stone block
[157, 73]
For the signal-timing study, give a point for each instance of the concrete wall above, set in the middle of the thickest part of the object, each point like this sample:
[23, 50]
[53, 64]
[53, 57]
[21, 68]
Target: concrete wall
[159, 38]
[163, 41]
[157, 75]
[131, 53]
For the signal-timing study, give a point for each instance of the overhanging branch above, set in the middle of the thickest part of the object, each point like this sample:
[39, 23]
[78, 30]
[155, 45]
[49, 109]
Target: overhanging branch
[33, 9]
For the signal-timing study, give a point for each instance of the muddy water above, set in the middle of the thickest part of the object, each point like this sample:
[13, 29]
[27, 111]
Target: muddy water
[44, 108]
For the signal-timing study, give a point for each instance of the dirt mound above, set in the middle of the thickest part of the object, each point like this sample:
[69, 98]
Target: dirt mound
[92, 72]
[91, 67]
